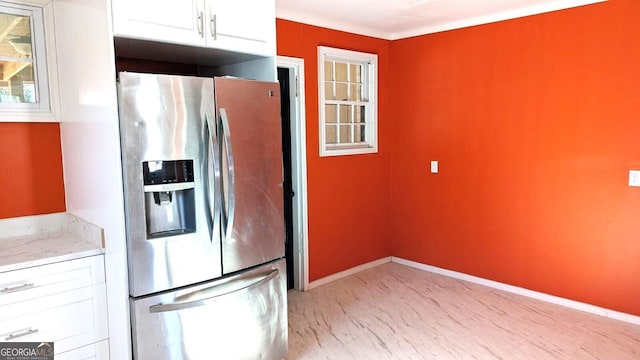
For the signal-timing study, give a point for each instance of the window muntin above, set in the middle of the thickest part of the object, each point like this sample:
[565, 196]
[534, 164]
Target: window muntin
[347, 96]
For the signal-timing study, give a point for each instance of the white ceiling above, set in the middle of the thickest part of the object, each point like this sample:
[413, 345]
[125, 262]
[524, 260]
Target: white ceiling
[396, 19]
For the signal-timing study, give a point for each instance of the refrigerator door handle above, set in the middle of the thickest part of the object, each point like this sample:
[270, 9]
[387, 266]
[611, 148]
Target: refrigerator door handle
[214, 167]
[231, 201]
[204, 296]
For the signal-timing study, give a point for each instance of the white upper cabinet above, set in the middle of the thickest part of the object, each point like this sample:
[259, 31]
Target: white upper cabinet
[246, 26]
[176, 21]
[236, 22]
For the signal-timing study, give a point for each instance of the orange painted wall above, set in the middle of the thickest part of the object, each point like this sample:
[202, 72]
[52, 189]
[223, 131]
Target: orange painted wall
[348, 196]
[536, 123]
[31, 178]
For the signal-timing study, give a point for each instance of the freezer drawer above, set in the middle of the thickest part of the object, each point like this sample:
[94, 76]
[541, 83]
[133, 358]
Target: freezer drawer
[241, 317]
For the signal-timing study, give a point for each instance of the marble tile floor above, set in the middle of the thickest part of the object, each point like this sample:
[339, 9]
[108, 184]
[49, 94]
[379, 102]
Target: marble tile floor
[397, 312]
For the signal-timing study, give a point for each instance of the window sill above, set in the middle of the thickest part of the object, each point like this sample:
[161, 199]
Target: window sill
[348, 149]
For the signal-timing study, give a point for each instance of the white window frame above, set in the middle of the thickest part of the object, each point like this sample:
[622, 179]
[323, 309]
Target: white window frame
[45, 109]
[370, 92]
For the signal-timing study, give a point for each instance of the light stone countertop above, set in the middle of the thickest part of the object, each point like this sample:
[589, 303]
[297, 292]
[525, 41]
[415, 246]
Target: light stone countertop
[45, 239]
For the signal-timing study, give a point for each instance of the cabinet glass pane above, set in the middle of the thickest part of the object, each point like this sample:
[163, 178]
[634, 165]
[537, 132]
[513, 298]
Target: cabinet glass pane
[17, 82]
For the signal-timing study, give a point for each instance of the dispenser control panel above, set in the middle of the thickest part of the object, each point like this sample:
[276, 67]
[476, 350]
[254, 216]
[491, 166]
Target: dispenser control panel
[167, 172]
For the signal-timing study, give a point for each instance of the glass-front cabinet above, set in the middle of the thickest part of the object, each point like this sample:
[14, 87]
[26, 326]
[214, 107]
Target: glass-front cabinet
[24, 76]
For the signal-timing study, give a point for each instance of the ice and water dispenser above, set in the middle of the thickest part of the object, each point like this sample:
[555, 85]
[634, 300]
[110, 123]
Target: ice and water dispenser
[169, 197]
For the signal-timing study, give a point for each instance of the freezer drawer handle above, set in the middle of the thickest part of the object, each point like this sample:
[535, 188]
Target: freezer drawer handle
[20, 333]
[217, 290]
[10, 289]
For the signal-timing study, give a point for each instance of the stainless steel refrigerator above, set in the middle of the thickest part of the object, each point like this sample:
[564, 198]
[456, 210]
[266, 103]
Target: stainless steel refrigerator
[202, 167]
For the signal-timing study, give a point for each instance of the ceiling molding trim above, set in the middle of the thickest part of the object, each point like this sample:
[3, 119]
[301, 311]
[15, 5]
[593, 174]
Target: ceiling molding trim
[314, 20]
[330, 24]
[501, 16]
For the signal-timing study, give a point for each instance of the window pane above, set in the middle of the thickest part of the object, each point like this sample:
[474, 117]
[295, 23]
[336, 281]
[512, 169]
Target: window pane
[355, 73]
[29, 90]
[328, 70]
[359, 114]
[356, 92]
[341, 91]
[341, 72]
[328, 91]
[345, 114]
[345, 134]
[330, 133]
[331, 113]
[359, 134]
[17, 81]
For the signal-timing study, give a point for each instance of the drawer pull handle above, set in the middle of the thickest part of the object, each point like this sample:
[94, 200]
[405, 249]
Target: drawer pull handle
[9, 289]
[21, 333]
[240, 285]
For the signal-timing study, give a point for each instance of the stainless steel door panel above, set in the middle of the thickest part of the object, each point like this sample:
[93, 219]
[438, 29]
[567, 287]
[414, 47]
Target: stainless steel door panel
[250, 127]
[165, 118]
[242, 317]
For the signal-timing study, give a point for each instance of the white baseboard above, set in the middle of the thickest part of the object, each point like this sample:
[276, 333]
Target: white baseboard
[348, 272]
[617, 315]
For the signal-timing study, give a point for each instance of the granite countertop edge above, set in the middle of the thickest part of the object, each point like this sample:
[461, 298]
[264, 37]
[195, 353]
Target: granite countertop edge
[50, 260]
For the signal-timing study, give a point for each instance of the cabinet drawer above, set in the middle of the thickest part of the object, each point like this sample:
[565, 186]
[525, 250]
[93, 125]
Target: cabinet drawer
[71, 319]
[97, 351]
[38, 281]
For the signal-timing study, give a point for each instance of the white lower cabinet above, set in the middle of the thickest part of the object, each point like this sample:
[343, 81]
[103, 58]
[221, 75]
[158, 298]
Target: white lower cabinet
[95, 351]
[63, 303]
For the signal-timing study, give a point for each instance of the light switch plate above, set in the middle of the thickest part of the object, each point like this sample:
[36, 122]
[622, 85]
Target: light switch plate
[634, 177]
[434, 166]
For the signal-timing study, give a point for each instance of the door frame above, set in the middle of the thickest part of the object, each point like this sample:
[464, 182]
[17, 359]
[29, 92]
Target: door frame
[298, 171]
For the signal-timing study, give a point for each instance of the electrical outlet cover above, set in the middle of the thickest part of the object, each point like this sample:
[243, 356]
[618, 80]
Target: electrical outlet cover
[634, 177]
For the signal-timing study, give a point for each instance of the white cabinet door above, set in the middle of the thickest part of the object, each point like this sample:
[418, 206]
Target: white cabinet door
[63, 302]
[70, 319]
[242, 25]
[245, 26]
[174, 21]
